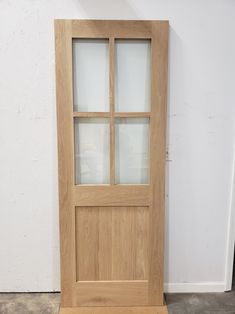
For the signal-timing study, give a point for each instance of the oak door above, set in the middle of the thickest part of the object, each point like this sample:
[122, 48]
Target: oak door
[111, 110]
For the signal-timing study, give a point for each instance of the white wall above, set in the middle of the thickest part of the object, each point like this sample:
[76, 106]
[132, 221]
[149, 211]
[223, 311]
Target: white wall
[201, 137]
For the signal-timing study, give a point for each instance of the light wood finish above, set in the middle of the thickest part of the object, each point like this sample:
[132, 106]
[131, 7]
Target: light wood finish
[159, 56]
[64, 99]
[114, 114]
[132, 114]
[91, 114]
[111, 236]
[116, 310]
[112, 293]
[104, 250]
[116, 195]
[112, 109]
[116, 28]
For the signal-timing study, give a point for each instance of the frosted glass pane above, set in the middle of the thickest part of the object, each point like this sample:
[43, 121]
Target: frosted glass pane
[92, 150]
[132, 150]
[90, 74]
[132, 92]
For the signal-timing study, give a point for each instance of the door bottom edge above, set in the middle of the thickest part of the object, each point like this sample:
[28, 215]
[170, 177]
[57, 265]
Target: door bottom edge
[115, 310]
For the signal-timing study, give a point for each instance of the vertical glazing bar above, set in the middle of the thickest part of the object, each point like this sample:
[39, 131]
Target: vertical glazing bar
[111, 104]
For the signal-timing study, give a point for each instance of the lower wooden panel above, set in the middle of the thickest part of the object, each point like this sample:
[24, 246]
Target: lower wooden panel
[115, 310]
[112, 243]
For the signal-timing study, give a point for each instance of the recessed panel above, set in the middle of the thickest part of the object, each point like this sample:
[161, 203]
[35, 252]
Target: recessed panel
[132, 150]
[91, 150]
[112, 243]
[90, 75]
[132, 81]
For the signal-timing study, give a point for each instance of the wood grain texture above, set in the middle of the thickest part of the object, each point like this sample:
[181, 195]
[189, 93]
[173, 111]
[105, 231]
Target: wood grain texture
[77, 114]
[112, 243]
[113, 222]
[115, 28]
[113, 195]
[116, 310]
[91, 114]
[112, 108]
[112, 293]
[132, 114]
[159, 56]
[64, 100]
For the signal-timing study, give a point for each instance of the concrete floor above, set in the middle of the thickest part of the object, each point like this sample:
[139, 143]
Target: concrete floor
[182, 303]
[201, 303]
[29, 303]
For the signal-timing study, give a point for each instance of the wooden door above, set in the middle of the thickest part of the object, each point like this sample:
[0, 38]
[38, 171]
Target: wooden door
[111, 109]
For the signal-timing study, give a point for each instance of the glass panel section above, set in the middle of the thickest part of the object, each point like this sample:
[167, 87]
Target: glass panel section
[91, 150]
[132, 150]
[132, 91]
[91, 74]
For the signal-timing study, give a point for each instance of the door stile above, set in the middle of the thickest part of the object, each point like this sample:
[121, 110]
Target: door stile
[112, 109]
[159, 56]
[64, 98]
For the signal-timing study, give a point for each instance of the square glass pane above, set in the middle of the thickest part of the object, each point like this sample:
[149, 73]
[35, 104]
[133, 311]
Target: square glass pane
[132, 150]
[91, 150]
[133, 75]
[91, 75]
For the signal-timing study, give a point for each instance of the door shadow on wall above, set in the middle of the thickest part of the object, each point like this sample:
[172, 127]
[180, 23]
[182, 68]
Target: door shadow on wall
[233, 279]
[174, 165]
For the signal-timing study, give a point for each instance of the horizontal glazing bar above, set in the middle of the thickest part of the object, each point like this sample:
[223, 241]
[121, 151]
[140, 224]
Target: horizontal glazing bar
[131, 114]
[91, 114]
[107, 114]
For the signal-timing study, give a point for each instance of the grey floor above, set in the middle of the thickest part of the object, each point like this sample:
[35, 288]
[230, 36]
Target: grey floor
[181, 303]
[201, 303]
